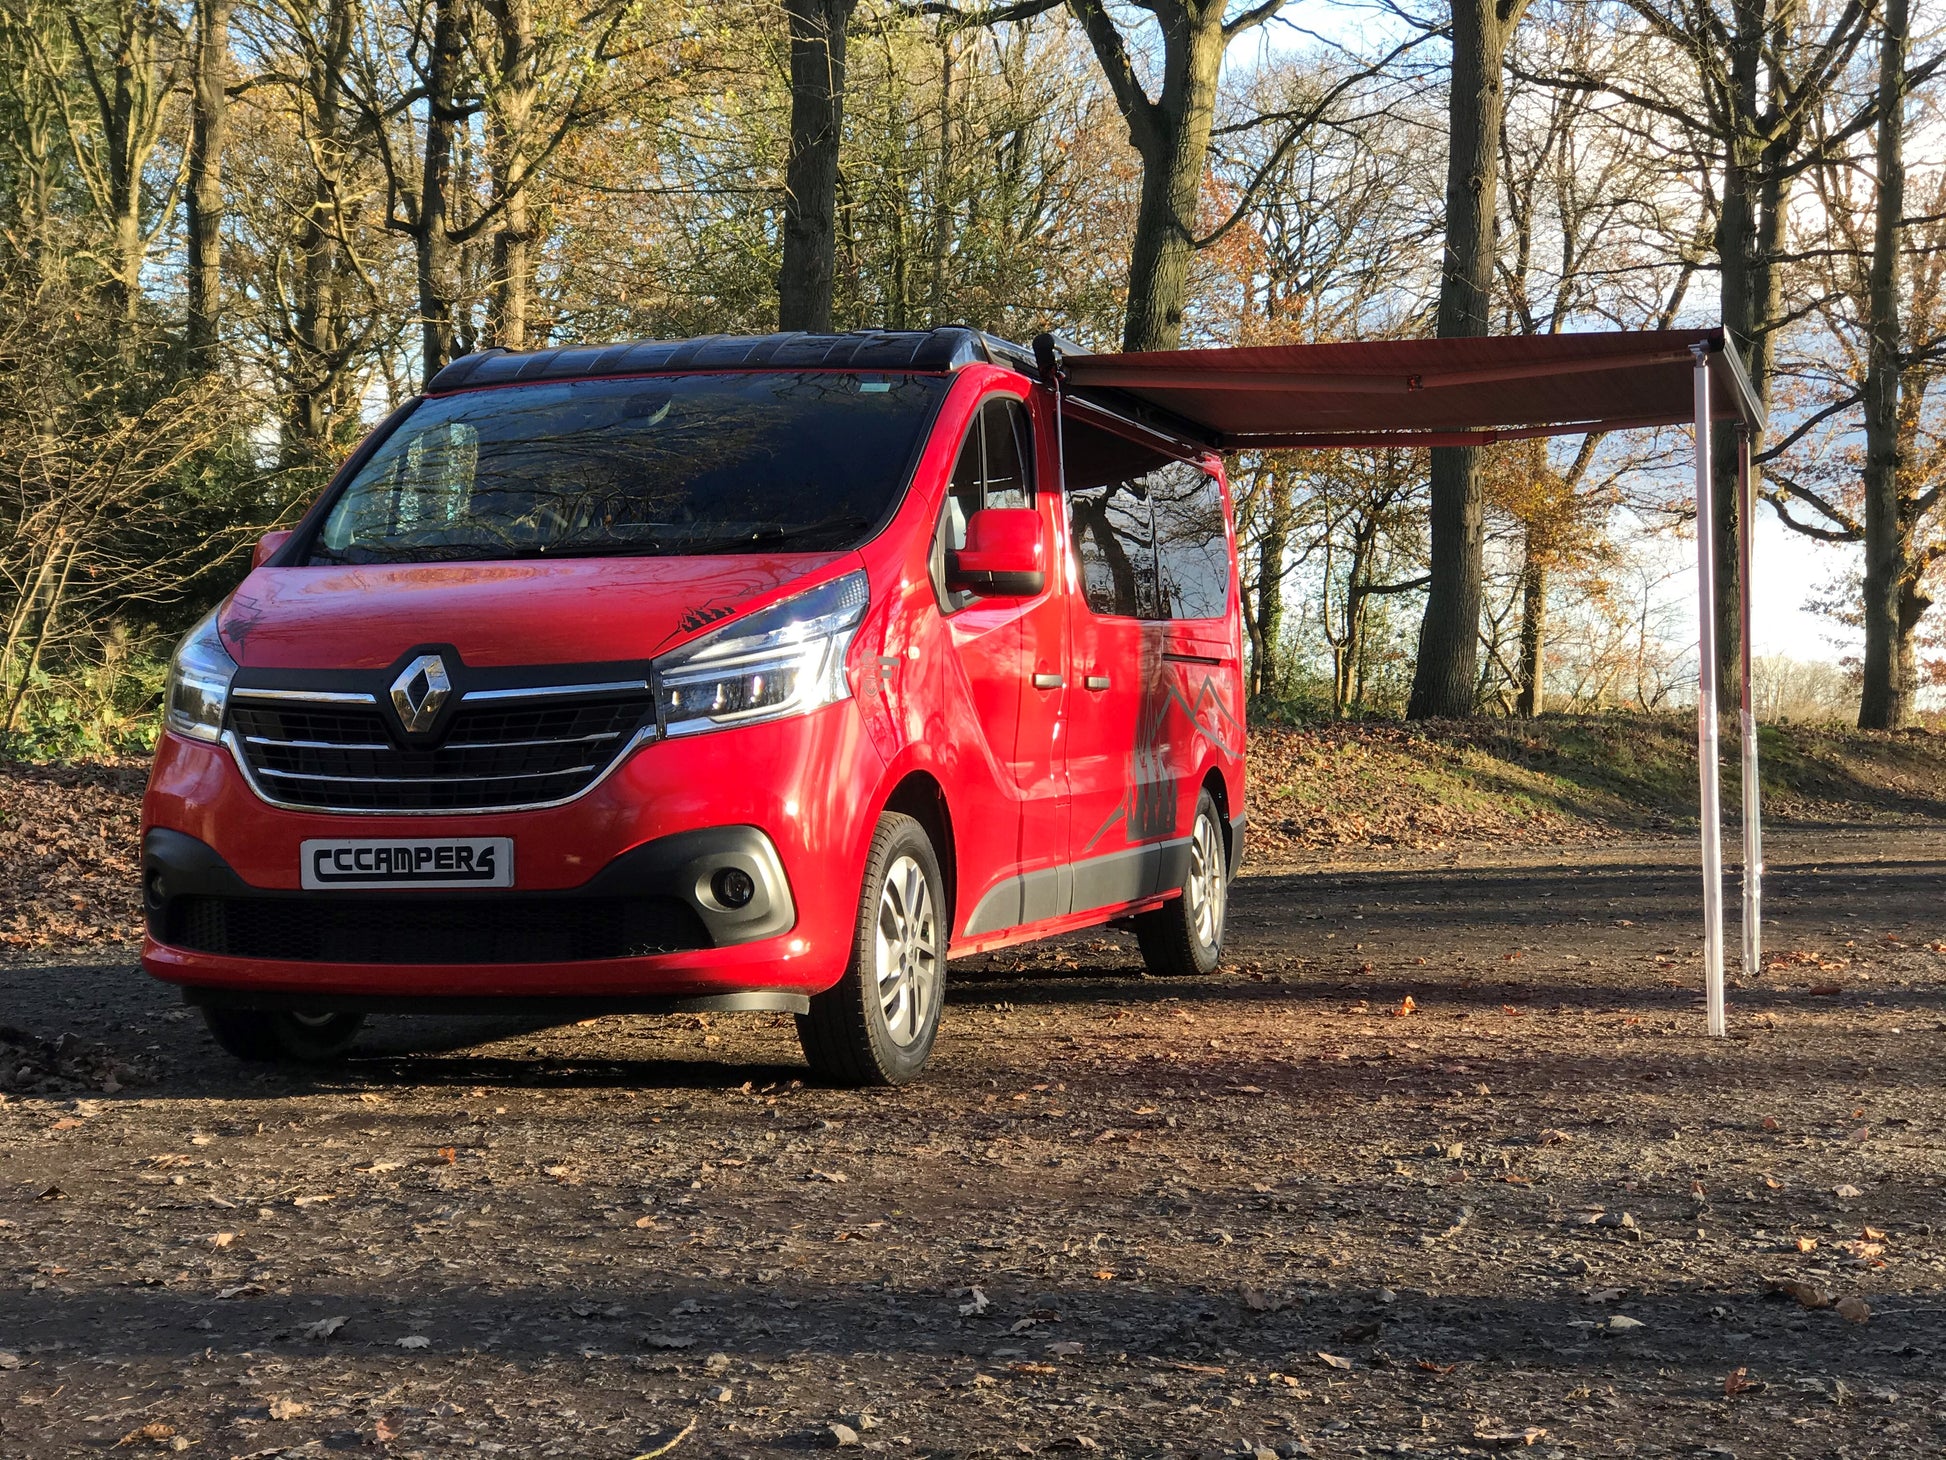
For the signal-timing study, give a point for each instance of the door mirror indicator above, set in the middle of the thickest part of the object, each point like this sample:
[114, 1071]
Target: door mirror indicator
[267, 546]
[1004, 556]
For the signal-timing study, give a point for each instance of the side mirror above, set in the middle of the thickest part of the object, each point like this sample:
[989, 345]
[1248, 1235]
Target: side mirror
[1003, 556]
[267, 546]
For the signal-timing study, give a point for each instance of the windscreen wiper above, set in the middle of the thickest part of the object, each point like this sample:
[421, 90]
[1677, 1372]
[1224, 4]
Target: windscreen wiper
[648, 547]
[765, 537]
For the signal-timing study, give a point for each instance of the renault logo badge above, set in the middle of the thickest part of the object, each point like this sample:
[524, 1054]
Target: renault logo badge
[420, 691]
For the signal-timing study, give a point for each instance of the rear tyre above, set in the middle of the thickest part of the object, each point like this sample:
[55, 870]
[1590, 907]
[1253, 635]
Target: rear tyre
[876, 1025]
[266, 1037]
[1184, 937]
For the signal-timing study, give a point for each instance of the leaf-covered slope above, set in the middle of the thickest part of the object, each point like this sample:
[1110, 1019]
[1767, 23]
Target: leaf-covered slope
[1316, 788]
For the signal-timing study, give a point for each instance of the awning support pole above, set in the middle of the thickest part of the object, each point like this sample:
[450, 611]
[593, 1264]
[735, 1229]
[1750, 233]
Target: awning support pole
[1753, 820]
[1706, 745]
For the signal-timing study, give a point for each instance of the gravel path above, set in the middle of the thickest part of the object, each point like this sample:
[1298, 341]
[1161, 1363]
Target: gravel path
[1282, 1210]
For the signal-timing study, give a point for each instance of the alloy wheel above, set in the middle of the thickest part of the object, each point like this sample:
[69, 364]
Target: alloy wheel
[1206, 887]
[908, 962]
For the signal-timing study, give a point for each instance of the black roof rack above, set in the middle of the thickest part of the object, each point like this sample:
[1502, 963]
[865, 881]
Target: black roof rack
[920, 350]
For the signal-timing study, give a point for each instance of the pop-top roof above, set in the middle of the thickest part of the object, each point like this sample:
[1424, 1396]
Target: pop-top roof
[924, 350]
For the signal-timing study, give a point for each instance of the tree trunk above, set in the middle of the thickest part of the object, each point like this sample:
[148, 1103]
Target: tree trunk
[1444, 679]
[1270, 586]
[804, 282]
[1175, 152]
[510, 112]
[1532, 696]
[942, 199]
[128, 142]
[119, 56]
[209, 109]
[1749, 239]
[434, 245]
[317, 319]
[1171, 134]
[1885, 701]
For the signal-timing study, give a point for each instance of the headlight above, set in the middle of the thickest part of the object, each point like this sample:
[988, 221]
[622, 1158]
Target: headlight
[782, 660]
[199, 682]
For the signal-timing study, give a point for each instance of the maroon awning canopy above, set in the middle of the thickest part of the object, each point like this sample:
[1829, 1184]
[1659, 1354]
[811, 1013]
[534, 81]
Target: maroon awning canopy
[1428, 392]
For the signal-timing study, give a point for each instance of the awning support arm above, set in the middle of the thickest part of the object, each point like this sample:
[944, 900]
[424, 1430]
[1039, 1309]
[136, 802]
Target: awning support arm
[1707, 767]
[1753, 821]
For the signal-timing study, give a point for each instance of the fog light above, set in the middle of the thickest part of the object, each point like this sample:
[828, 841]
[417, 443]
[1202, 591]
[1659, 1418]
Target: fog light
[733, 887]
[155, 888]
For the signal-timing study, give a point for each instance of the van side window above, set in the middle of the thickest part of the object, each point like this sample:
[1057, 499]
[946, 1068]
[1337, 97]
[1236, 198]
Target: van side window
[995, 469]
[1111, 518]
[1193, 554]
[1009, 454]
[1114, 539]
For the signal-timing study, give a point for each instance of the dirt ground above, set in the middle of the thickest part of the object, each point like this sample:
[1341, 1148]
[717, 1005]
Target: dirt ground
[1273, 1211]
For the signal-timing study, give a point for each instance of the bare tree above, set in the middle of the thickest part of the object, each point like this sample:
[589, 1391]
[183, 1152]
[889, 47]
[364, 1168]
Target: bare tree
[209, 118]
[127, 56]
[1893, 599]
[817, 59]
[1448, 665]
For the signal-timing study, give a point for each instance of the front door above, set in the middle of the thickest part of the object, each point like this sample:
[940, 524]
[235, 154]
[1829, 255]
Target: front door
[1012, 655]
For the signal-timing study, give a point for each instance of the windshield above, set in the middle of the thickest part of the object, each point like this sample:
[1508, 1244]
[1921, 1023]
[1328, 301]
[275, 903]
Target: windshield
[671, 465]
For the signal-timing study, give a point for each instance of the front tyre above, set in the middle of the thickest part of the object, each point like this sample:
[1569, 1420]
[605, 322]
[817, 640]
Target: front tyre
[876, 1025]
[1184, 937]
[275, 1037]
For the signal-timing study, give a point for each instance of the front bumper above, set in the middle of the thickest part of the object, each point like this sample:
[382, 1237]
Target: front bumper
[615, 892]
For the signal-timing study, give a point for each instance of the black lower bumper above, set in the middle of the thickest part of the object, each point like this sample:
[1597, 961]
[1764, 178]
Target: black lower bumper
[658, 898]
[775, 1001]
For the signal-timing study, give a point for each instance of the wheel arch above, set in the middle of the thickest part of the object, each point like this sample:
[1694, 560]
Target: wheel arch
[919, 795]
[1213, 781]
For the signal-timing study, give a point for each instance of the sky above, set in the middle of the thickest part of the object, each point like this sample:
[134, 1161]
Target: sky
[1786, 569]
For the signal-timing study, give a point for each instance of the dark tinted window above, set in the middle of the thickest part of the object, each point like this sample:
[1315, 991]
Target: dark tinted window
[1114, 538]
[1192, 551]
[774, 461]
[995, 469]
[1111, 519]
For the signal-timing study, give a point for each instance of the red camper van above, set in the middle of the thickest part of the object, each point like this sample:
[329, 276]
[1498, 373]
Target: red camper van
[725, 674]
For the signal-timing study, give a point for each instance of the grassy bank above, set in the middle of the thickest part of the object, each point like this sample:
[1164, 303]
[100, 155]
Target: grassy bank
[1318, 788]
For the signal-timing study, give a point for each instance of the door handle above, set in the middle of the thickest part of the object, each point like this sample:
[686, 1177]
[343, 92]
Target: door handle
[1096, 681]
[1048, 681]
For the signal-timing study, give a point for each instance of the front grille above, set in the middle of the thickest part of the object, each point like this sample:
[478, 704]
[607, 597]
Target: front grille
[493, 755]
[339, 928]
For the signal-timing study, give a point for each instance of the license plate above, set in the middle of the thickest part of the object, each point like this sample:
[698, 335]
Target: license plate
[475, 861]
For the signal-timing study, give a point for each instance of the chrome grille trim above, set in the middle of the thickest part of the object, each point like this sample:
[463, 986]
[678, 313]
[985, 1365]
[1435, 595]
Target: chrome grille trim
[558, 691]
[306, 696]
[518, 744]
[313, 744]
[573, 770]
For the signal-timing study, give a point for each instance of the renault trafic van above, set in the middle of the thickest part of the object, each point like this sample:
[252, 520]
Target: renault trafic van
[729, 674]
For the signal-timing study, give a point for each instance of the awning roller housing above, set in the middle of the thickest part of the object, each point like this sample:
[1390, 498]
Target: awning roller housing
[1426, 392]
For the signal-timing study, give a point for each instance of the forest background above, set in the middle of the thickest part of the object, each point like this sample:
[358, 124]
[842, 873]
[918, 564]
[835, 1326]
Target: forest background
[234, 233]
